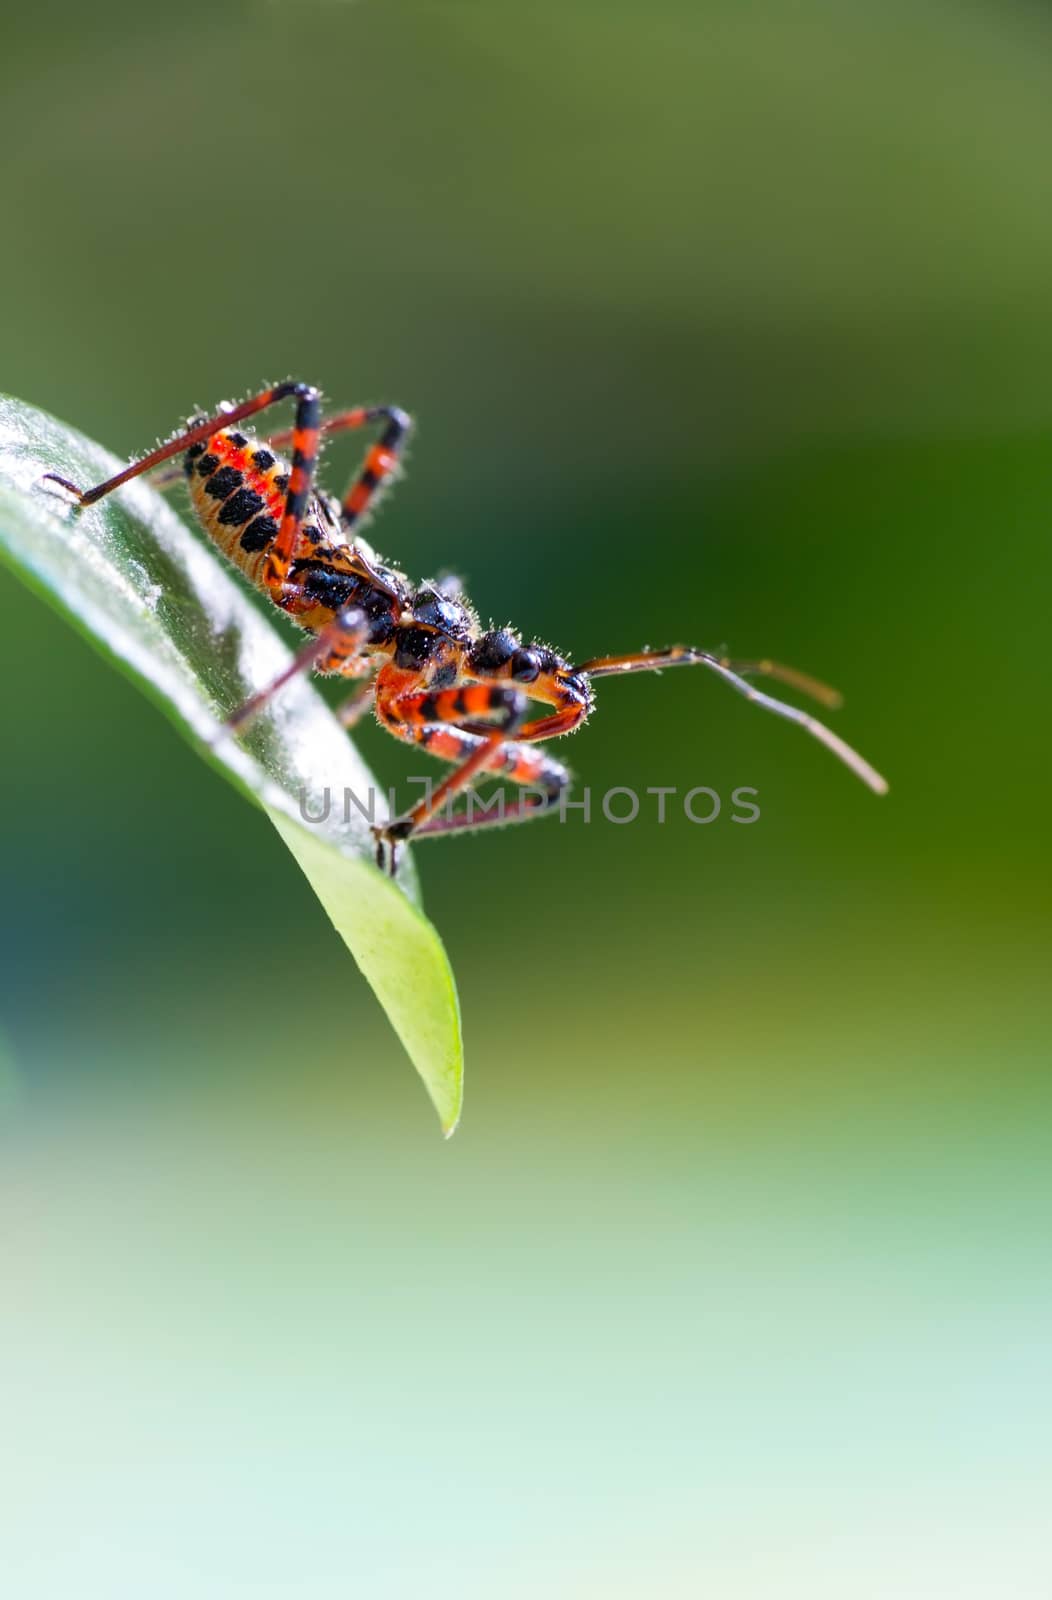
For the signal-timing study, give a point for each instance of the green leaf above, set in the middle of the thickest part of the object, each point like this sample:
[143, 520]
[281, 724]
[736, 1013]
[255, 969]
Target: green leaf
[165, 608]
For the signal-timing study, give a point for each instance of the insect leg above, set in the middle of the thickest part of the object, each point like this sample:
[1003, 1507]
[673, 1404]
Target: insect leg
[408, 714]
[340, 422]
[305, 436]
[351, 711]
[197, 433]
[380, 464]
[432, 719]
[331, 649]
[521, 764]
[524, 810]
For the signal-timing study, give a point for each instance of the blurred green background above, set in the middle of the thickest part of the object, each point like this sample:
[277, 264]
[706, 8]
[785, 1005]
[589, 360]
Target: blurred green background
[721, 322]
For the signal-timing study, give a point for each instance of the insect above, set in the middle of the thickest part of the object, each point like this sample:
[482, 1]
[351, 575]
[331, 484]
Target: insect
[433, 676]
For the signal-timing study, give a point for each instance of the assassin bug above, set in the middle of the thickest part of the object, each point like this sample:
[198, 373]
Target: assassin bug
[434, 677]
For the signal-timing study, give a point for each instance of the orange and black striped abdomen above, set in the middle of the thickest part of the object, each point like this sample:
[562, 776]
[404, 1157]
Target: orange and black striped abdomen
[238, 487]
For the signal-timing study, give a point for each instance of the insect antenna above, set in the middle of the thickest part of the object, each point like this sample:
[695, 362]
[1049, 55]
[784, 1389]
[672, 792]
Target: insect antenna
[681, 656]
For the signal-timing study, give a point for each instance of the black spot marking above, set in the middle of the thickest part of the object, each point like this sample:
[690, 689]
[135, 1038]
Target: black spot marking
[312, 534]
[222, 485]
[281, 482]
[238, 440]
[241, 507]
[263, 460]
[258, 534]
[207, 465]
[195, 450]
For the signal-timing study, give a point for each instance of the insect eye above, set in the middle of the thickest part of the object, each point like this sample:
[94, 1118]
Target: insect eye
[525, 666]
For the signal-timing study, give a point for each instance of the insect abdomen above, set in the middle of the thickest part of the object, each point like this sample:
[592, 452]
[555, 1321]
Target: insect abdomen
[237, 487]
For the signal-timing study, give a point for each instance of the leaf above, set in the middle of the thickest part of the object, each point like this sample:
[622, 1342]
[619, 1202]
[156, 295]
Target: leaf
[166, 609]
